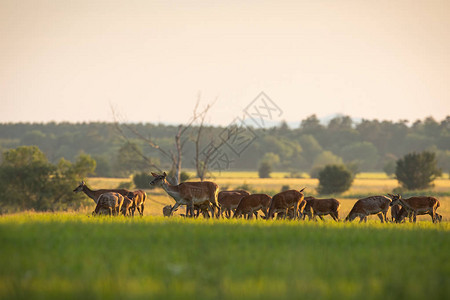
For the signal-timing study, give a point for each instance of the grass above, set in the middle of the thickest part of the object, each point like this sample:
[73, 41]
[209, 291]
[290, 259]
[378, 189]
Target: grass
[71, 256]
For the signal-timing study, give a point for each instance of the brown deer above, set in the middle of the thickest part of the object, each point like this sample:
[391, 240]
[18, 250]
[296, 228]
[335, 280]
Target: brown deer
[395, 210]
[281, 203]
[250, 205]
[229, 201]
[188, 193]
[110, 201]
[139, 198]
[374, 205]
[403, 213]
[321, 207]
[417, 205]
[95, 194]
[127, 206]
[290, 215]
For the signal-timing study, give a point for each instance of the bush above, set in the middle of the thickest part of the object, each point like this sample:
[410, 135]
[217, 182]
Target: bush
[184, 176]
[125, 185]
[314, 172]
[247, 187]
[334, 179]
[285, 188]
[417, 170]
[142, 180]
[264, 170]
[389, 168]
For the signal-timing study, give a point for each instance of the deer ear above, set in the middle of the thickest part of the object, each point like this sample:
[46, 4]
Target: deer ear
[154, 174]
[164, 174]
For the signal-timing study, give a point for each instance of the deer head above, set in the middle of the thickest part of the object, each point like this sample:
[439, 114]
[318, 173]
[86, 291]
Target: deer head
[80, 187]
[395, 199]
[158, 179]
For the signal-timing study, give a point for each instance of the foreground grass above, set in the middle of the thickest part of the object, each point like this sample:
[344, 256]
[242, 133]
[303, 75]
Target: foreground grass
[64, 256]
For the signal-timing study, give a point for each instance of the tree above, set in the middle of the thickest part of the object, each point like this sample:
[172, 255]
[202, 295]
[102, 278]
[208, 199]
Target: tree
[29, 181]
[365, 154]
[184, 133]
[389, 168]
[264, 170]
[323, 159]
[334, 179]
[129, 159]
[417, 170]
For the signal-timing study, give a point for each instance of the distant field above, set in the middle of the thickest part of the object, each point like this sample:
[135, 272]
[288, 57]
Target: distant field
[71, 256]
[364, 184]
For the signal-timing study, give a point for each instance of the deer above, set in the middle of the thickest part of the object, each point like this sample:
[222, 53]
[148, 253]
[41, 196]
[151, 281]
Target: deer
[395, 210]
[188, 193]
[229, 201]
[322, 207]
[139, 198]
[374, 205]
[281, 203]
[290, 214]
[250, 204]
[127, 205]
[417, 205]
[95, 194]
[403, 213]
[113, 202]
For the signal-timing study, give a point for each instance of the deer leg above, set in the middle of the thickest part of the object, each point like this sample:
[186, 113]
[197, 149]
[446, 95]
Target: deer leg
[136, 207]
[380, 215]
[142, 210]
[174, 208]
[333, 215]
[433, 215]
[414, 216]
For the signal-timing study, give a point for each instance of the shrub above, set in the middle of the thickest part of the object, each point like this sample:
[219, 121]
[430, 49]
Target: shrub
[184, 176]
[142, 180]
[417, 170]
[247, 187]
[314, 172]
[334, 179]
[264, 170]
[285, 187]
[125, 185]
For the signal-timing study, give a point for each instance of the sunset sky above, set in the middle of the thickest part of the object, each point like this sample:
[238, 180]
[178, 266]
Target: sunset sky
[149, 60]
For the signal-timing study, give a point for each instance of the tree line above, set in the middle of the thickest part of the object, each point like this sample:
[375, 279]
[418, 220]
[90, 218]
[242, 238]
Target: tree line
[368, 145]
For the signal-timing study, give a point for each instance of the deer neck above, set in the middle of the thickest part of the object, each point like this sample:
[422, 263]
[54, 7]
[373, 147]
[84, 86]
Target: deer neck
[172, 190]
[90, 193]
[405, 204]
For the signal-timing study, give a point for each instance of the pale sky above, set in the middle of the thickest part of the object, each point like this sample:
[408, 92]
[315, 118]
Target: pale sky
[71, 61]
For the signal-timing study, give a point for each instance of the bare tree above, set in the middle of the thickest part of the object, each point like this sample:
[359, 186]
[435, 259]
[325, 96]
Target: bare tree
[194, 134]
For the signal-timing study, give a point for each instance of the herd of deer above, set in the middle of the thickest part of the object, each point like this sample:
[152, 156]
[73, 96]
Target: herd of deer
[204, 197]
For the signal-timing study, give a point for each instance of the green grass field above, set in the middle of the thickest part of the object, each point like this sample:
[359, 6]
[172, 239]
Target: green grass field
[72, 256]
